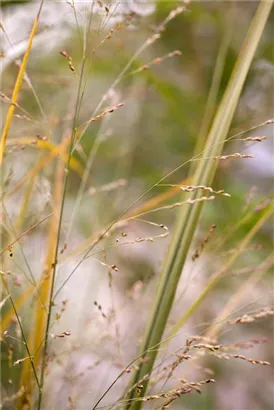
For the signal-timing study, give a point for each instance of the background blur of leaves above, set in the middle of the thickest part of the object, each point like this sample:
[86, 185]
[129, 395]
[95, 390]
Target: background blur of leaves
[153, 133]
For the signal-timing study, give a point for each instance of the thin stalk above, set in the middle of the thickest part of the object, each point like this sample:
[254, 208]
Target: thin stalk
[143, 47]
[122, 373]
[188, 218]
[73, 136]
[22, 333]
[28, 81]
[17, 239]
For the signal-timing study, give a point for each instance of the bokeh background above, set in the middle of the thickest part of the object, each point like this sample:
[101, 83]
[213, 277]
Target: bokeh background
[104, 299]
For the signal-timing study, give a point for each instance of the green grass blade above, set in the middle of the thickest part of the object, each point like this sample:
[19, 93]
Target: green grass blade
[188, 217]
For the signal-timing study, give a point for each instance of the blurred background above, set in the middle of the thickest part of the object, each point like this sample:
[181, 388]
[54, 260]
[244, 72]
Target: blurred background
[154, 75]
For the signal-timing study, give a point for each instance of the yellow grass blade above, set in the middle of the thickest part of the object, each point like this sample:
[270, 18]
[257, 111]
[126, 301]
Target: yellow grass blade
[56, 151]
[17, 86]
[47, 146]
[36, 338]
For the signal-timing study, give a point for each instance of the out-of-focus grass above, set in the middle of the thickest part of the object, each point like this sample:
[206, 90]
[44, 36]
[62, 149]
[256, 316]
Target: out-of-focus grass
[106, 219]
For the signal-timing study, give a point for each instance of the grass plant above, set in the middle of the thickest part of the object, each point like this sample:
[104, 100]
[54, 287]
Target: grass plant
[72, 145]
